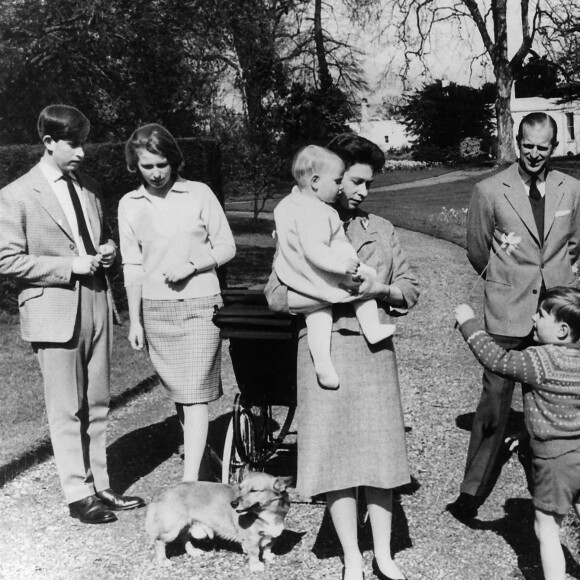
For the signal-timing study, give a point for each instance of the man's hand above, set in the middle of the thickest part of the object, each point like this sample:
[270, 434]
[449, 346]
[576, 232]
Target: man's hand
[86, 265]
[107, 253]
[178, 272]
[463, 313]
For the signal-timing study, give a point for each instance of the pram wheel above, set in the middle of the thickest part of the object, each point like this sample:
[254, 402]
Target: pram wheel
[234, 468]
[253, 436]
[263, 346]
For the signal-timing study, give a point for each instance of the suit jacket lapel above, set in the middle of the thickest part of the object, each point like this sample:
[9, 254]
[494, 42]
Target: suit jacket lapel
[517, 197]
[49, 201]
[554, 195]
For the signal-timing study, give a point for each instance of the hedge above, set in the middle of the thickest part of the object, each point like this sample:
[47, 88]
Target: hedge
[106, 163]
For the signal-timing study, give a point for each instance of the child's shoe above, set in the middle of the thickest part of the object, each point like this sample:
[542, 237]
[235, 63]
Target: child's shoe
[327, 377]
[380, 332]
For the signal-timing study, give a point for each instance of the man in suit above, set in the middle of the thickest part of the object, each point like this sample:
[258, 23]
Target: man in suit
[541, 207]
[52, 243]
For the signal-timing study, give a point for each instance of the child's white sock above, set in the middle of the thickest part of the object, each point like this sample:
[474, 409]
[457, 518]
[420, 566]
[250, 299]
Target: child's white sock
[367, 314]
[319, 324]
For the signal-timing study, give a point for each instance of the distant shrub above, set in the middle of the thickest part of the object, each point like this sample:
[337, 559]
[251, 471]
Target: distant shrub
[408, 164]
[471, 148]
[403, 152]
[453, 216]
[436, 154]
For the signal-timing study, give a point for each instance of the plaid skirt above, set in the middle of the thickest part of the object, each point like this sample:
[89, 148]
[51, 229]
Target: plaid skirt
[185, 347]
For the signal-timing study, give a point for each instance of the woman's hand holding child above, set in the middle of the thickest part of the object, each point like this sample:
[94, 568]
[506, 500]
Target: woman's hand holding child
[352, 266]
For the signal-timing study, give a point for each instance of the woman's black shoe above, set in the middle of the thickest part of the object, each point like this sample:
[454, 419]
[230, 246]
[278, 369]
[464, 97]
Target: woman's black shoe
[377, 572]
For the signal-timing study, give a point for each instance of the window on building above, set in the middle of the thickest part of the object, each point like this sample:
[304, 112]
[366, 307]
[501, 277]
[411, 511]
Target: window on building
[386, 138]
[570, 126]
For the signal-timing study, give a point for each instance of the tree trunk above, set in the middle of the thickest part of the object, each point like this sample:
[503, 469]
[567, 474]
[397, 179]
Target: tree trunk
[323, 72]
[505, 125]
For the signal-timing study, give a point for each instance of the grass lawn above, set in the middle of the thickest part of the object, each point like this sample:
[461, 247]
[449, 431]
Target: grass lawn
[427, 209]
[22, 413]
[436, 210]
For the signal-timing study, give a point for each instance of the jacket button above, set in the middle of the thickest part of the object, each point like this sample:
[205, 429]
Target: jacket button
[534, 291]
[72, 246]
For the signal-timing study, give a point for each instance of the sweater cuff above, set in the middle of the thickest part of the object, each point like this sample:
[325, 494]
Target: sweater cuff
[470, 327]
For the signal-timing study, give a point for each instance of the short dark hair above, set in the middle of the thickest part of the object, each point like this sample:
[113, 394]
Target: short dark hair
[563, 303]
[156, 139]
[63, 122]
[353, 149]
[535, 119]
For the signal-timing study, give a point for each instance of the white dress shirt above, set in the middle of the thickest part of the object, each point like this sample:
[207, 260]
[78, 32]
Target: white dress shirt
[60, 188]
[541, 182]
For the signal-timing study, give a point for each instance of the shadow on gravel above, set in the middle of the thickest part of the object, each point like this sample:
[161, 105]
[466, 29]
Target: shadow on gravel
[135, 455]
[42, 450]
[517, 529]
[140, 452]
[284, 544]
[515, 422]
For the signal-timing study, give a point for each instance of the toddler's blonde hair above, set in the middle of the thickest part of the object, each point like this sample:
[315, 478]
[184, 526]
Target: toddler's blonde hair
[312, 160]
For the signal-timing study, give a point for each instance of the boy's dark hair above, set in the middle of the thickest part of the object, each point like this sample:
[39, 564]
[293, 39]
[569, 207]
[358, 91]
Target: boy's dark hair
[157, 140]
[563, 303]
[63, 122]
[353, 149]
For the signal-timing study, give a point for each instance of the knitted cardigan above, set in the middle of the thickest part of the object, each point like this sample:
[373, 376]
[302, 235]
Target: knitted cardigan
[552, 404]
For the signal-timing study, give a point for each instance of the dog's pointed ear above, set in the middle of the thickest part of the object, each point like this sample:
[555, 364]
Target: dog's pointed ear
[283, 483]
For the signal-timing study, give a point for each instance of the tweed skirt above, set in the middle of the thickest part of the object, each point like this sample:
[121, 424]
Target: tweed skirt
[185, 347]
[354, 435]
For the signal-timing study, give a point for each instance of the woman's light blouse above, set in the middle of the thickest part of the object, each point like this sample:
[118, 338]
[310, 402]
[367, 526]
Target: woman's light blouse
[187, 225]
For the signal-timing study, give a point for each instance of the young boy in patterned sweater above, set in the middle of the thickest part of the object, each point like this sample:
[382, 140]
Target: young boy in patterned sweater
[551, 373]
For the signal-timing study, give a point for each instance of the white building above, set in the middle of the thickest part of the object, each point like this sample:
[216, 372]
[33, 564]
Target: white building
[386, 133]
[566, 115]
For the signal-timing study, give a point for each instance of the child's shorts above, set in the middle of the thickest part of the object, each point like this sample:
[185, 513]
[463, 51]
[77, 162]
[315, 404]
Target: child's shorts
[556, 482]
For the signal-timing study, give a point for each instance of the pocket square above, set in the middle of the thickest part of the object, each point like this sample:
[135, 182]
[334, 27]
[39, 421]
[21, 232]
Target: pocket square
[562, 212]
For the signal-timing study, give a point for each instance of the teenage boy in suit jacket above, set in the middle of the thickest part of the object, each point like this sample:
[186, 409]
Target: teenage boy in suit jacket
[52, 244]
[540, 206]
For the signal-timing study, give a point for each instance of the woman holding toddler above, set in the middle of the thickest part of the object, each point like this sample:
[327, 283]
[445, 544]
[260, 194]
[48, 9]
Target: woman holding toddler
[352, 436]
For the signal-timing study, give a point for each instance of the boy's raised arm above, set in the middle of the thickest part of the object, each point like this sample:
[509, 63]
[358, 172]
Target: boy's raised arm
[517, 365]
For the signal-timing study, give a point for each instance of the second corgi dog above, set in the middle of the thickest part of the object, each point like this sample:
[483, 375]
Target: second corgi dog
[252, 514]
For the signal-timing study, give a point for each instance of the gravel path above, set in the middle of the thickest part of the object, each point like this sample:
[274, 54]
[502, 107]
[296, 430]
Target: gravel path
[440, 382]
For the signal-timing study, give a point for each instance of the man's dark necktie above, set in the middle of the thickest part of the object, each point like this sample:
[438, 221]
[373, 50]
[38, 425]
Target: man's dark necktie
[534, 191]
[82, 224]
[538, 204]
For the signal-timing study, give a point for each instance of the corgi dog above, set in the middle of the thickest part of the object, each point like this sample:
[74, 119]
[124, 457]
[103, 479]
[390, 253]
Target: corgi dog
[251, 513]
